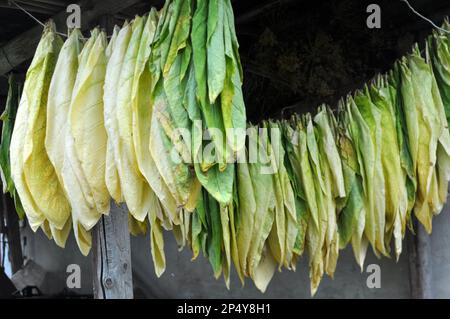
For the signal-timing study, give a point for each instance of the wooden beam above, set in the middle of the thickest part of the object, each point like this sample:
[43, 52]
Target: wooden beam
[29, 7]
[112, 256]
[420, 263]
[22, 48]
[33, 4]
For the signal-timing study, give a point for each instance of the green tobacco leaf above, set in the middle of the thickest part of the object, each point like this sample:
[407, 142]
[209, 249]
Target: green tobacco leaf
[34, 177]
[439, 46]
[365, 130]
[198, 38]
[265, 206]
[8, 117]
[218, 183]
[215, 45]
[247, 208]
[353, 207]
[395, 183]
[215, 234]
[430, 129]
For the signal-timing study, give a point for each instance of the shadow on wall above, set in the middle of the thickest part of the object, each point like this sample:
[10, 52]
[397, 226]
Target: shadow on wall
[186, 279]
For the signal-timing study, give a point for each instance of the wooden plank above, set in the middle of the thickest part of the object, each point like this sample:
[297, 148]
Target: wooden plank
[112, 256]
[420, 263]
[22, 47]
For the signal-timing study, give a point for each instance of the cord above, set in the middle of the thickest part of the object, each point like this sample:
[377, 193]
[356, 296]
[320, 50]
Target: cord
[424, 18]
[39, 21]
[33, 17]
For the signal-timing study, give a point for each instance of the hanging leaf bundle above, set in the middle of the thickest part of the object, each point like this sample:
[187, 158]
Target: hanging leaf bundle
[439, 46]
[155, 119]
[36, 181]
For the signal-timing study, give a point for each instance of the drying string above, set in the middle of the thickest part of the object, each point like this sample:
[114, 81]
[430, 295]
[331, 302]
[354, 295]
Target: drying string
[33, 17]
[37, 20]
[424, 18]
[26, 12]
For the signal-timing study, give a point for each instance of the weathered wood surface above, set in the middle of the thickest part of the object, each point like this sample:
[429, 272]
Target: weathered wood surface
[112, 256]
[420, 263]
[22, 47]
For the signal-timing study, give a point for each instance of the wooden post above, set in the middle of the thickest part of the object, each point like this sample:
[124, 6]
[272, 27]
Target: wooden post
[111, 242]
[12, 232]
[420, 263]
[112, 271]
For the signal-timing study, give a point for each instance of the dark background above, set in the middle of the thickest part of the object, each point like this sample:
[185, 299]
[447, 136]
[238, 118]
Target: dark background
[305, 53]
[296, 54]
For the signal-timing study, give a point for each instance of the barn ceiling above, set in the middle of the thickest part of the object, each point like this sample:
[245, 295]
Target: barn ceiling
[296, 53]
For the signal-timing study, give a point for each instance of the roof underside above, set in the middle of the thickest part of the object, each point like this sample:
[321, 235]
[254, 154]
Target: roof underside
[295, 52]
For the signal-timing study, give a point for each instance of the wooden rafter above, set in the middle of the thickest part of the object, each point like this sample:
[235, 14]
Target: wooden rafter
[420, 263]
